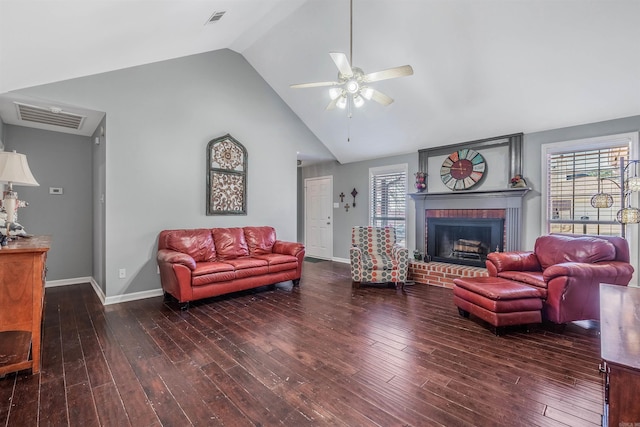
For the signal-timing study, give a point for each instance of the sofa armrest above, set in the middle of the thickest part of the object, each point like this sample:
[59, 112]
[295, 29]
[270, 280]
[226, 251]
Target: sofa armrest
[174, 257]
[287, 248]
[512, 261]
[355, 259]
[613, 272]
[400, 253]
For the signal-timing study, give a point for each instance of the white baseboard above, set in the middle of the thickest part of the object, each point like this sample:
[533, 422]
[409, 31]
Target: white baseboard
[133, 296]
[103, 298]
[66, 282]
[342, 260]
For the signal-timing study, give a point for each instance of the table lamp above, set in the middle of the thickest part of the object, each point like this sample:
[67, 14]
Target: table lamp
[14, 169]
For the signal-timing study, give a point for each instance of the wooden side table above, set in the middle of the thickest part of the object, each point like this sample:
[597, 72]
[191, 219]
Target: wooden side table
[620, 352]
[22, 280]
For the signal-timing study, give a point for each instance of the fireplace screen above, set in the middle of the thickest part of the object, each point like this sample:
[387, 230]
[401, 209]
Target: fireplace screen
[463, 240]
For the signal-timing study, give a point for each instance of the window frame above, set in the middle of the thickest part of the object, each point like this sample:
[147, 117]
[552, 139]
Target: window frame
[402, 168]
[571, 146]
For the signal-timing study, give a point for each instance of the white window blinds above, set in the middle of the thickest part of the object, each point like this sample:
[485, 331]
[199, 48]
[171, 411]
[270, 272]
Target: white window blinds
[573, 178]
[388, 199]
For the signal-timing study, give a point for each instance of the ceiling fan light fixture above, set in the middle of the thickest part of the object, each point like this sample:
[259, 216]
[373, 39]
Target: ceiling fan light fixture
[342, 102]
[352, 86]
[358, 101]
[335, 92]
[367, 93]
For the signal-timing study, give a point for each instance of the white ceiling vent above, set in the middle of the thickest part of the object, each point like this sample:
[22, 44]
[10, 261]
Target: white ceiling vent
[53, 116]
[215, 17]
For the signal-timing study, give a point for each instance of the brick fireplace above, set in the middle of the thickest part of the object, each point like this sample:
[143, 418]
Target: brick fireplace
[472, 207]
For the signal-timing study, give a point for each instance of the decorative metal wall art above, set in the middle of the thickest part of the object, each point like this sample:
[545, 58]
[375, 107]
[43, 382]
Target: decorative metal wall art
[226, 177]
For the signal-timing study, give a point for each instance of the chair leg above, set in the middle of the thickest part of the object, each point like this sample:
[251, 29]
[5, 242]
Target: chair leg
[355, 284]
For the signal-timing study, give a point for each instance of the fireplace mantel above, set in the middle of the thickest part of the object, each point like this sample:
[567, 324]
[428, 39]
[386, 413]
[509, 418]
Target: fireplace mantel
[466, 195]
[508, 199]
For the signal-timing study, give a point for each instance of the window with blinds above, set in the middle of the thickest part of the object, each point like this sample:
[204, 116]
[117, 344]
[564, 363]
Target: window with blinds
[388, 199]
[573, 178]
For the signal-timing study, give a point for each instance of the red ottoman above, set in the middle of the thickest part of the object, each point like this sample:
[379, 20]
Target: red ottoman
[501, 302]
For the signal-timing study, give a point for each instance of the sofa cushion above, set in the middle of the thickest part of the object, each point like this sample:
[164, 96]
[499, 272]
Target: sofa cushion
[274, 259]
[260, 240]
[230, 243]
[378, 261]
[196, 243]
[556, 249]
[203, 268]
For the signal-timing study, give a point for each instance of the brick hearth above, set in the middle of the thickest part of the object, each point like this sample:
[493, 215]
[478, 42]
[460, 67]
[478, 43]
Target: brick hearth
[441, 273]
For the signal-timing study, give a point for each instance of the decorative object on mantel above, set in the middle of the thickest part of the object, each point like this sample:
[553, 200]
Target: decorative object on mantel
[462, 169]
[421, 181]
[14, 169]
[346, 207]
[226, 177]
[417, 255]
[518, 182]
[628, 184]
[341, 197]
[354, 193]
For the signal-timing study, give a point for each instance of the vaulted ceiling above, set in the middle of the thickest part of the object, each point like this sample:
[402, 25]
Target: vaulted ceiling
[482, 68]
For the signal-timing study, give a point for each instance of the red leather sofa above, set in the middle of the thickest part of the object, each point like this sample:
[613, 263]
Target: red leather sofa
[567, 270]
[203, 263]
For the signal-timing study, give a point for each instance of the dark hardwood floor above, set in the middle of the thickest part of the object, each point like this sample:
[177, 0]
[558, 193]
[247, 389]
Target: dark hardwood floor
[319, 354]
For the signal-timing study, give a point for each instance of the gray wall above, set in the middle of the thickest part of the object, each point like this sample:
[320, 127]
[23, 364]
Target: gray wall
[57, 160]
[356, 175]
[160, 118]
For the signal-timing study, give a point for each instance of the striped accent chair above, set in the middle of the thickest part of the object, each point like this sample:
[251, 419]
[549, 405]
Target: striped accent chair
[376, 257]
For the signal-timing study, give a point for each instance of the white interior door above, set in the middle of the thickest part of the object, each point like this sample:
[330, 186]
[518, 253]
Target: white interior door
[318, 224]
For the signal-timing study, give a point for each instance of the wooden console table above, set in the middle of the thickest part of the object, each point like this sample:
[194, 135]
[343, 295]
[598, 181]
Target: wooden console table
[22, 279]
[620, 352]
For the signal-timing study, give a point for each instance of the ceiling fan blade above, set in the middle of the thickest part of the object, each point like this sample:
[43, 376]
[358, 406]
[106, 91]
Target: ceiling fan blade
[332, 104]
[380, 97]
[390, 73]
[341, 61]
[316, 84]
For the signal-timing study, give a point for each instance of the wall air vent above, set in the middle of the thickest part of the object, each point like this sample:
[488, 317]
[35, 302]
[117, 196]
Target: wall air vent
[215, 17]
[53, 116]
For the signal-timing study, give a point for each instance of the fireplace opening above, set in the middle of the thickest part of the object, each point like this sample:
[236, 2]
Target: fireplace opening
[464, 241]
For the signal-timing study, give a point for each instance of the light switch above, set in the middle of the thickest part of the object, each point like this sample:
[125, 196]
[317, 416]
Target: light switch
[336, 205]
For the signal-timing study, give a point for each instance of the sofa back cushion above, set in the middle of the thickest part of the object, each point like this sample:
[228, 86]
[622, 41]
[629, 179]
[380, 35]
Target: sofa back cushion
[230, 243]
[197, 243]
[373, 239]
[556, 248]
[260, 240]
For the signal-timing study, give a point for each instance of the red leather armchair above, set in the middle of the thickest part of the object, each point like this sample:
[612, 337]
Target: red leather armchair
[202, 263]
[567, 269]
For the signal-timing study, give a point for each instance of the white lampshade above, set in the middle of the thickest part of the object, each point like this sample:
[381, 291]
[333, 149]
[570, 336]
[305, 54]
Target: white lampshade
[358, 101]
[14, 169]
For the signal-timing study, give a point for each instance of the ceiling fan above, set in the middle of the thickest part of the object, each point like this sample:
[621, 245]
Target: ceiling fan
[352, 86]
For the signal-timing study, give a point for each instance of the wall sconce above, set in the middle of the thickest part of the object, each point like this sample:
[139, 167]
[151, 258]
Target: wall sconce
[628, 184]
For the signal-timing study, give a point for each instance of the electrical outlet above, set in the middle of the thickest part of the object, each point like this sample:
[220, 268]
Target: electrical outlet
[122, 273]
